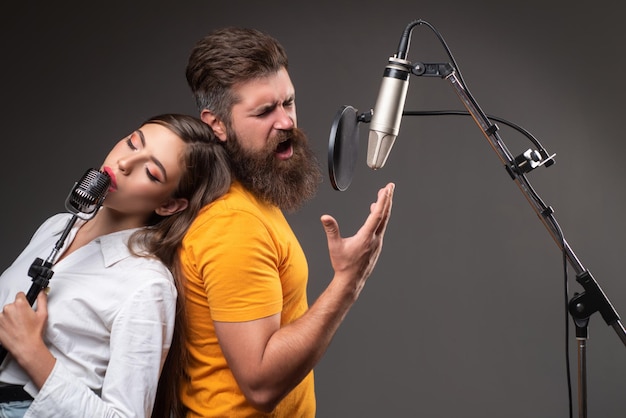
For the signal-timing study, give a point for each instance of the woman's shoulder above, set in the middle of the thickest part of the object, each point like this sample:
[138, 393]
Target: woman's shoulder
[60, 219]
[138, 274]
[138, 264]
[54, 224]
[146, 264]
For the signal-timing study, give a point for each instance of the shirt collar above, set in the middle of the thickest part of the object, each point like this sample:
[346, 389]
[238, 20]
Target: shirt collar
[114, 246]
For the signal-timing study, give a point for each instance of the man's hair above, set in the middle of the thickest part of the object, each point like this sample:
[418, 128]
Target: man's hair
[226, 57]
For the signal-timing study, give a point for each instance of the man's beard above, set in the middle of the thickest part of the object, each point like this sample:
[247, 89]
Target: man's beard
[285, 183]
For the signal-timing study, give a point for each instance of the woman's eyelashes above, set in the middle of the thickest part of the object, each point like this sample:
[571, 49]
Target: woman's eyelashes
[152, 177]
[134, 141]
[131, 142]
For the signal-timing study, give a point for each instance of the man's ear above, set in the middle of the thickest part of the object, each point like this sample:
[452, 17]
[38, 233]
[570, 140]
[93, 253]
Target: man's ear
[172, 206]
[219, 128]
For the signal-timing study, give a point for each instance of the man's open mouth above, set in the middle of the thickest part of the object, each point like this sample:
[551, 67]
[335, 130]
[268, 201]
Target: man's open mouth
[284, 150]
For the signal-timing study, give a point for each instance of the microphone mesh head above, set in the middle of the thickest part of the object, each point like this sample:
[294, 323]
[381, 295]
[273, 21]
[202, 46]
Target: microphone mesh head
[88, 193]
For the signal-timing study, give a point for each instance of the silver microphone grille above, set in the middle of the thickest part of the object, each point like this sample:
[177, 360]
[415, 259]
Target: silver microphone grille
[89, 192]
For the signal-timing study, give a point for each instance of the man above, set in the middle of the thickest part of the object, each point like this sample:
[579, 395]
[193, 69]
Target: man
[252, 340]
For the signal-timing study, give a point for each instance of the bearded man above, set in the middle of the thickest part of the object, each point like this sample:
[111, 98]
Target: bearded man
[252, 338]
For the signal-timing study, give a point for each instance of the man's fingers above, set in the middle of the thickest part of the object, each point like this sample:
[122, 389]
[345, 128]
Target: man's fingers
[330, 226]
[386, 211]
[380, 210]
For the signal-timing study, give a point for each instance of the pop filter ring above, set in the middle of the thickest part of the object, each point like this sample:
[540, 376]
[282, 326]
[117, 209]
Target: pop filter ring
[343, 146]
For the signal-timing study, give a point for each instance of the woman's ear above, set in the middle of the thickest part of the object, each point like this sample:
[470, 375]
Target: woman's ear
[215, 123]
[172, 206]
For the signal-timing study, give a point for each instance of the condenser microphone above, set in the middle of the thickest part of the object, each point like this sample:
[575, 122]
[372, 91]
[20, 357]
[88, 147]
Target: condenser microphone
[88, 193]
[387, 114]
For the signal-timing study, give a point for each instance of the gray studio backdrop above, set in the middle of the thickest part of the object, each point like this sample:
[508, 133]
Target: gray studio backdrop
[464, 315]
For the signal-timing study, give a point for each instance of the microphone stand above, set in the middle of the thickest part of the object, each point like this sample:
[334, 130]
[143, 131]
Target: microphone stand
[582, 305]
[83, 202]
[41, 272]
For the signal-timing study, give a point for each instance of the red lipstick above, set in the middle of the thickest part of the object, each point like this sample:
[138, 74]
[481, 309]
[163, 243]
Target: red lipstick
[113, 185]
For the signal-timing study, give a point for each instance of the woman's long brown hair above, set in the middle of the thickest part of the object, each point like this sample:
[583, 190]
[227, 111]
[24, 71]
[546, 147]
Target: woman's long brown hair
[206, 176]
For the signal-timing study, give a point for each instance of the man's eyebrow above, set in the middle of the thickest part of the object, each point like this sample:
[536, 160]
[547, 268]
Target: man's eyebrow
[154, 160]
[268, 107]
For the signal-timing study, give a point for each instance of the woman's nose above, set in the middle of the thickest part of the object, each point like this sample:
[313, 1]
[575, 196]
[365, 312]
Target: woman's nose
[126, 164]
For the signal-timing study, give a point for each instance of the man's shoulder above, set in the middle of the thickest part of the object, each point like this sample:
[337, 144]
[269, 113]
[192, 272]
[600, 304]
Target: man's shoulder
[236, 200]
[237, 205]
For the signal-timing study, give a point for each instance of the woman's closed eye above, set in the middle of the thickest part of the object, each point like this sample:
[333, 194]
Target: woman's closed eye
[133, 141]
[152, 177]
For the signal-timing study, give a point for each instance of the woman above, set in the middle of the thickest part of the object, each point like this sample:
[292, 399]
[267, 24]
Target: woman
[95, 345]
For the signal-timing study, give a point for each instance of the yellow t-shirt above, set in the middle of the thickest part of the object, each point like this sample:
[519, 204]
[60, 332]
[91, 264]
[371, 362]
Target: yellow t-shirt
[242, 262]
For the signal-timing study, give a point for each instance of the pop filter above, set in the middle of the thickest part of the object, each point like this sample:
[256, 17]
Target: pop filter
[343, 147]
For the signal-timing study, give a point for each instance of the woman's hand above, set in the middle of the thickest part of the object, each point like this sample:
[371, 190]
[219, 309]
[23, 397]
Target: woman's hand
[21, 334]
